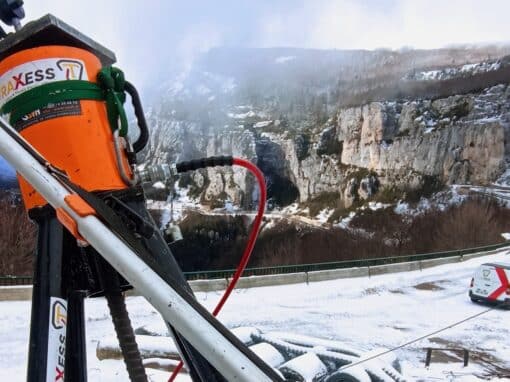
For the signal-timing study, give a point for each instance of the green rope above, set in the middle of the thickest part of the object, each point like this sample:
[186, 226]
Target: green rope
[110, 88]
[112, 82]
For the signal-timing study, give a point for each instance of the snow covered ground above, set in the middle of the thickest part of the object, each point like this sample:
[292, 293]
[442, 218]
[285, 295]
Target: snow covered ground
[370, 314]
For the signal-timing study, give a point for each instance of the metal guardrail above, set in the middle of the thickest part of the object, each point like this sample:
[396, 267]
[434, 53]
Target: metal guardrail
[283, 269]
[15, 280]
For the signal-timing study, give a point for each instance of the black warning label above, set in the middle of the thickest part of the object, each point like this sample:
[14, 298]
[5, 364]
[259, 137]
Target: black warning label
[52, 110]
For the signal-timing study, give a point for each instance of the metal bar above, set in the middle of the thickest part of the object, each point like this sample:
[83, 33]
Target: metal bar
[49, 306]
[193, 322]
[429, 356]
[76, 349]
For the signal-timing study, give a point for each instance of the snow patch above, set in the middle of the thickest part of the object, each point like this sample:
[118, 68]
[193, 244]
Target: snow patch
[268, 353]
[448, 73]
[324, 215]
[262, 124]
[374, 206]
[506, 235]
[401, 208]
[159, 185]
[248, 114]
[344, 223]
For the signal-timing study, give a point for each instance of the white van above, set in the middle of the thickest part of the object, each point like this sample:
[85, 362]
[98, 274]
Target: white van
[491, 283]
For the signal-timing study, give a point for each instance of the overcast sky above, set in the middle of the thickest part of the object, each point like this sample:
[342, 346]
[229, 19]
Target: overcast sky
[150, 35]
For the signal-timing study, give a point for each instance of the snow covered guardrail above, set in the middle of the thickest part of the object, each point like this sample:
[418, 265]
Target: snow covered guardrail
[361, 263]
[257, 277]
[225, 274]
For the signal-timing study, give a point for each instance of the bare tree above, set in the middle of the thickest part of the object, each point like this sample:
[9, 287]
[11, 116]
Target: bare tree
[17, 238]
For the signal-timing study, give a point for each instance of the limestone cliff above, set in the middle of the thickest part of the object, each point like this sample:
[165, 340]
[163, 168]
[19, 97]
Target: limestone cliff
[400, 143]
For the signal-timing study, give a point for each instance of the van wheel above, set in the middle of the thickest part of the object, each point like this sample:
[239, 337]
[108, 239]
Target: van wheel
[473, 299]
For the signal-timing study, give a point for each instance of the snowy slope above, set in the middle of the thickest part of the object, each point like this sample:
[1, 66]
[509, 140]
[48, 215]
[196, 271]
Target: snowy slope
[368, 314]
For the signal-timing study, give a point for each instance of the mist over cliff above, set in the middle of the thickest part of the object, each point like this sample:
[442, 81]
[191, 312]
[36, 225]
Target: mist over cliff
[357, 125]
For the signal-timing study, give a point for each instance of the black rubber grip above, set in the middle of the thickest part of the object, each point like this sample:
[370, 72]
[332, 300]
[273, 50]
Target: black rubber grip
[143, 138]
[126, 336]
[204, 162]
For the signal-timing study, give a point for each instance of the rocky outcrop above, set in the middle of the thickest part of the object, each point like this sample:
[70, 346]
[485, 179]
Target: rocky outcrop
[458, 139]
[355, 153]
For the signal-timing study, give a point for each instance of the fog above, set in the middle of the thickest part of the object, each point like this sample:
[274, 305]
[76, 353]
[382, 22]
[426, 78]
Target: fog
[157, 38]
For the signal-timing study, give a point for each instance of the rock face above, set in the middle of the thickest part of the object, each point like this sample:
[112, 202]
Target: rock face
[179, 141]
[402, 143]
[458, 139]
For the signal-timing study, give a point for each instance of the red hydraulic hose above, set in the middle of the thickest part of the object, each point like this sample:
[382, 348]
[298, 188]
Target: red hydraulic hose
[249, 246]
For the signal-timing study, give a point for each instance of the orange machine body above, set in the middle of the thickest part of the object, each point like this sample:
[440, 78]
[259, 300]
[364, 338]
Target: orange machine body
[73, 136]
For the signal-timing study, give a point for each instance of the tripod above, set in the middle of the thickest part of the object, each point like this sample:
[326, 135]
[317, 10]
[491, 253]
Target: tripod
[65, 273]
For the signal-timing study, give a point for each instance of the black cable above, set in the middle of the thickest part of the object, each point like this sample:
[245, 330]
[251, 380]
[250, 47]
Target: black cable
[110, 283]
[196, 164]
[143, 138]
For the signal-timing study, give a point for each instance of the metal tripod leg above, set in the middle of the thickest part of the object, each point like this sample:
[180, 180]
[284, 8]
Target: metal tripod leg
[57, 348]
[76, 349]
[198, 367]
[57, 339]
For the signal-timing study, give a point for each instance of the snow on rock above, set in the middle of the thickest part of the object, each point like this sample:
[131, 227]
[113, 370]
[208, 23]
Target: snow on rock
[377, 367]
[307, 368]
[268, 354]
[157, 329]
[262, 124]
[504, 179]
[401, 208]
[248, 114]
[344, 223]
[159, 185]
[448, 73]
[246, 334]
[328, 345]
[324, 215]
[506, 235]
[374, 206]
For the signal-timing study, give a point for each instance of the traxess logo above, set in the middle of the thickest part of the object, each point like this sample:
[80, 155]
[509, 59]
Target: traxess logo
[73, 69]
[38, 72]
[59, 315]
